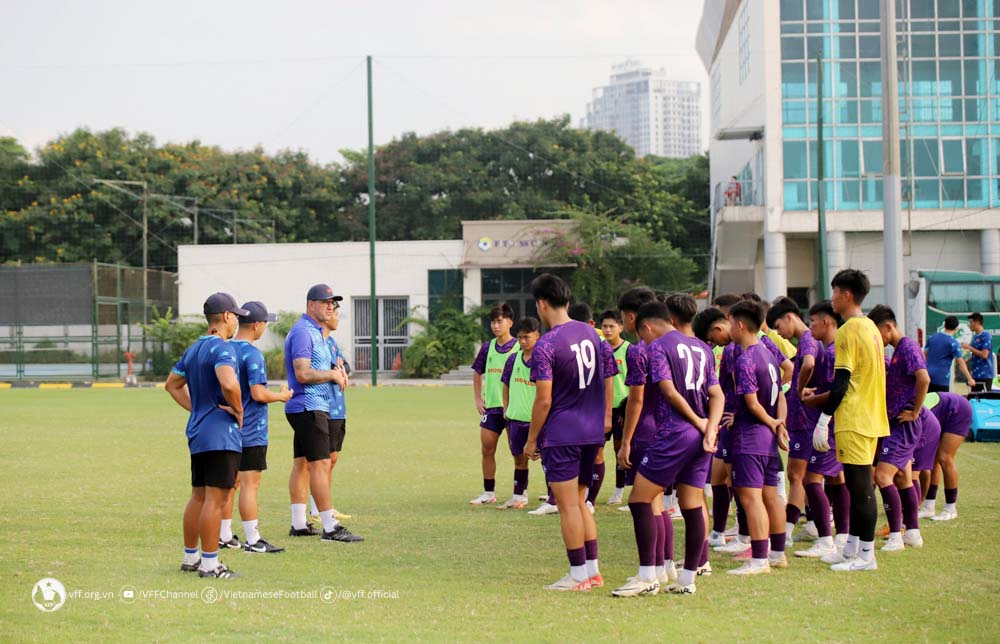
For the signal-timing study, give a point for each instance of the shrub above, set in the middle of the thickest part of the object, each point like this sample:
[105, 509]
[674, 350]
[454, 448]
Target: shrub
[446, 343]
[171, 337]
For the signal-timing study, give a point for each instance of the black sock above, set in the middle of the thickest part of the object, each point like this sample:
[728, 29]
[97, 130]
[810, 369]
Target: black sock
[864, 508]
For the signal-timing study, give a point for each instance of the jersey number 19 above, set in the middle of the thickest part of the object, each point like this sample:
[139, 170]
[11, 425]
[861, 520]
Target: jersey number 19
[586, 360]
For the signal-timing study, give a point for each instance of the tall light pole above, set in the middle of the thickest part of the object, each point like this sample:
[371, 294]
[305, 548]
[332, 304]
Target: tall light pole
[371, 231]
[891, 183]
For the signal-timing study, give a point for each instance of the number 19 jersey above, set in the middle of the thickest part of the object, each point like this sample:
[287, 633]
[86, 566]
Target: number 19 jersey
[571, 356]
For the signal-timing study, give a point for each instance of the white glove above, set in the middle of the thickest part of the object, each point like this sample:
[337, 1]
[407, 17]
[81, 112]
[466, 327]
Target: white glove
[821, 441]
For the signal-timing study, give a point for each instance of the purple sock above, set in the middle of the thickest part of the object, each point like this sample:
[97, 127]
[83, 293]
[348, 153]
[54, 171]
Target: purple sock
[704, 553]
[910, 504]
[920, 492]
[778, 541]
[758, 548]
[932, 492]
[591, 548]
[840, 499]
[520, 481]
[577, 556]
[661, 538]
[645, 532]
[817, 499]
[552, 497]
[720, 507]
[694, 528]
[741, 518]
[619, 477]
[808, 511]
[596, 483]
[893, 507]
[792, 514]
[668, 536]
[489, 485]
[950, 495]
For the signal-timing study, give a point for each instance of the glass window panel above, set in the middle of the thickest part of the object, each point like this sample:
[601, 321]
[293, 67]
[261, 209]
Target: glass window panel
[796, 195]
[868, 10]
[951, 78]
[922, 8]
[974, 45]
[791, 28]
[871, 157]
[925, 158]
[949, 25]
[973, 77]
[816, 9]
[845, 9]
[952, 193]
[791, 10]
[977, 161]
[976, 192]
[975, 109]
[847, 47]
[920, 25]
[948, 8]
[927, 131]
[817, 27]
[848, 159]
[951, 110]
[868, 47]
[795, 160]
[974, 8]
[847, 82]
[847, 27]
[922, 46]
[924, 78]
[827, 159]
[849, 197]
[815, 46]
[792, 48]
[868, 27]
[871, 193]
[952, 157]
[928, 193]
[793, 112]
[793, 80]
[871, 79]
[950, 45]
[846, 112]
[871, 111]
[925, 110]
[491, 280]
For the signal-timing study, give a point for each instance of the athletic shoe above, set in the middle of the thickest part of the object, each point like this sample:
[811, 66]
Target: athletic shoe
[339, 515]
[516, 502]
[342, 534]
[854, 565]
[674, 512]
[669, 574]
[307, 531]
[570, 584]
[742, 555]
[484, 499]
[734, 546]
[590, 506]
[545, 508]
[925, 513]
[261, 546]
[314, 518]
[840, 540]
[893, 544]
[635, 587]
[623, 508]
[677, 589]
[220, 572]
[233, 543]
[835, 557]
[810, 532]
[716, 539]
[816, 551]
[596, 581]
[913, 539]
[732, 532]
[186, 567]
[778, 560]
[616, 497]
[706, 570]
[751, 568]
[543, 497]
[945, 515]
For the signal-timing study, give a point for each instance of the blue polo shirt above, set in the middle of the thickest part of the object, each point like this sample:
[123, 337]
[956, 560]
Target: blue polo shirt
[253, 371]
[942, 349]
[338, 408]
[209, 428]
[306, 340]
[982, 368]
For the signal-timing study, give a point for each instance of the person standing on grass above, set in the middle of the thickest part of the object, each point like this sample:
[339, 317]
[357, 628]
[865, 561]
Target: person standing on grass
[941, 350]
[612, 326]
[981, 363]
[205, 382]
[954, 412]
[573, 378]
[518, 399]
[310, 370]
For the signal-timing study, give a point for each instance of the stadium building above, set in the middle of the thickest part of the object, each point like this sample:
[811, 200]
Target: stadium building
[761, 59]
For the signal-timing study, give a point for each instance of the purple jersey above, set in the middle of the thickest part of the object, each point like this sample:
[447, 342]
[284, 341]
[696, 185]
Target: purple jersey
[757, 372]
[636, 374]
[727, 371]
[799, 416]
[569, 356]
[900, 377]
[689, 364]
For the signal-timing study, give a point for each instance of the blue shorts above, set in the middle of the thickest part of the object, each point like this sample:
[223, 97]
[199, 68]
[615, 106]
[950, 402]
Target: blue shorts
[753, 471]
[567, 462]
[493, 420]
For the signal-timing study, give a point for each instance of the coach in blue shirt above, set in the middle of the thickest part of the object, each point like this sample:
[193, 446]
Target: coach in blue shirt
[942, 349]
[981, 363]
[205, 382]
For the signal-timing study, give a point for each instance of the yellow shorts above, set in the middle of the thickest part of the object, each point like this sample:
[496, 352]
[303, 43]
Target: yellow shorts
[855, 449]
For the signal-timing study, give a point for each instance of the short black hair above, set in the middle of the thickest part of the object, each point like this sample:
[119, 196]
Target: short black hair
[215, 318]
[825, 307]
[527, 325]
[581, 312]
[654, 310]
[633, 299]
[726, 299]
[611, 314]
[882, 314]
[753, 297]
[853, 281]
[976, 317]
[704, 321]
[502, 310]
[951, 323]
[681, 306]
[748, 312]
[782, 307]
[552, 289]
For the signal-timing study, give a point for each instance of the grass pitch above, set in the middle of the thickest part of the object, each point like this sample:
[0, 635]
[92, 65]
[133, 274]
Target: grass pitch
[95, 482]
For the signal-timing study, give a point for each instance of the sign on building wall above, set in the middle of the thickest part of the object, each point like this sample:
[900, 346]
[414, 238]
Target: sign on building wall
[494, 244]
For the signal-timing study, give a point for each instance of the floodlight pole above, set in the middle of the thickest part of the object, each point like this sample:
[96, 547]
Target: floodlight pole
[373, 303]
[891, 182]
[822, 270]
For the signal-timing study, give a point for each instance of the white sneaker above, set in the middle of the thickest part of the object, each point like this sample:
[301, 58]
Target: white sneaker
[733, 531]
[516, 502]
[777, 560]
[716, 539]
[809, 533]
[590, 506]
[893, 544]
[616, 496]
[669, 575]
[751, 568]
[568, 583]
[734, 547]
[543, 497]
[913, 539]
[623, 508]
[635, 587]
[854, 565]
[816, 551]
[706, 570]
[925, 513]
[545, 508]
[484, 499]
[840, 540]
[945, 515]
[835, 557]
[677, 589]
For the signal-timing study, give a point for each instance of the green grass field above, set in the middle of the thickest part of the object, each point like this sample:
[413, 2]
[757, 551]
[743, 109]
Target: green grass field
[95, 482]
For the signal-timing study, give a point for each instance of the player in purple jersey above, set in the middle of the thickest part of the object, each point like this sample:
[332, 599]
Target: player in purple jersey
[784, 317]
[757, 433]
[924, 455]
[906, 384]
[568, 421]
[955, 415]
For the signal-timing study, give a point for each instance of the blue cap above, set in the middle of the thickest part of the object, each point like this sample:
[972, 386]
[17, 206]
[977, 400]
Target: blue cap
[322, 292]
[223, 303]
[258, 313]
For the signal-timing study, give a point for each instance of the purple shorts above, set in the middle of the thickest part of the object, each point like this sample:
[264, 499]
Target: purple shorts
[567, 462]
[517, 436]
[493, 420]
[960, 422]
[825, 463]
[898, 447]
[926, 452]
[800, 444]
[722, 446]
[751, 470]
[636, 454]
[677, 459]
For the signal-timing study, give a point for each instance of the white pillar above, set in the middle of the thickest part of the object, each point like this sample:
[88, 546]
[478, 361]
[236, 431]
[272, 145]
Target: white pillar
[775, 266]
[836, 252]
[472, 288]
[989, 242]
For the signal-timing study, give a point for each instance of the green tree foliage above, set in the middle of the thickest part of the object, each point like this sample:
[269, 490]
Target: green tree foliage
[170, 337]
[448, 342]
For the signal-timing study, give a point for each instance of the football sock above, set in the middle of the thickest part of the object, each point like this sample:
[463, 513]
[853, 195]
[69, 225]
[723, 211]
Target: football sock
[893, 507]
[250, 528]
[209, 561]
[694, 527]
[864, 510]
[597, 482]
[668, 536]
[226, 531]
[818, 500]
[313, 510]
[577, 563]
[720, 507]
[520, 481]
[661, 540]
[910, 507]
[489, 485]
[866, 550]
[299, 516]
[329, 523]
[590, 550]
[950, 496]
[190, 556]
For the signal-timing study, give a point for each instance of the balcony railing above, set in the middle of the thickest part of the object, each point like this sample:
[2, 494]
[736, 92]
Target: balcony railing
[738, 193]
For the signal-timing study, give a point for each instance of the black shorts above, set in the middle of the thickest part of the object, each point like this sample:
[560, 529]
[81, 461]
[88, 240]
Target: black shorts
[617, 422]
[254, 459]
[338, 429]
[312, 435]
[215, 469]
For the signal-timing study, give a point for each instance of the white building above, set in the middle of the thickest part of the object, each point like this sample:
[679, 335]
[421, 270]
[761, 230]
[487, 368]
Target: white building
[761, 58]
[654, 114]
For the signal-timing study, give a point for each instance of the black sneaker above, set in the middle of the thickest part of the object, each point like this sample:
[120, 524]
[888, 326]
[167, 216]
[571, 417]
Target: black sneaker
[340, 533]
[307, 531]
[233, 543]
[261, 546]
[220, 572]
[185, 567]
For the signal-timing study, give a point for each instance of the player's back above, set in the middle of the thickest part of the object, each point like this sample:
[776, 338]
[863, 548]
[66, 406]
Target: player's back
[801, 417]
[208, 422]
[859, 349]
[252, 372]
[692, 368]
[758, 373]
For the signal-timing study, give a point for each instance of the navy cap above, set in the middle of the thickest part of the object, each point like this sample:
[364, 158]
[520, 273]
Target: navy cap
[322, 292]
[222, 303]
[258, 313]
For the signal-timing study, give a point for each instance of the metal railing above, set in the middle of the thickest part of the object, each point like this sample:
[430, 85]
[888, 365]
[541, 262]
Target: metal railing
[737, 193]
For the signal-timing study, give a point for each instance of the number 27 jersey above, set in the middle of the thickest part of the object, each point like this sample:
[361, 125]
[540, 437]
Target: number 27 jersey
[690, 365]
[572, 356]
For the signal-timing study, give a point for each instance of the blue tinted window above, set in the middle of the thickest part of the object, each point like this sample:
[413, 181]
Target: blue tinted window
[796, 166]
[796, 195]
[791, 9]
